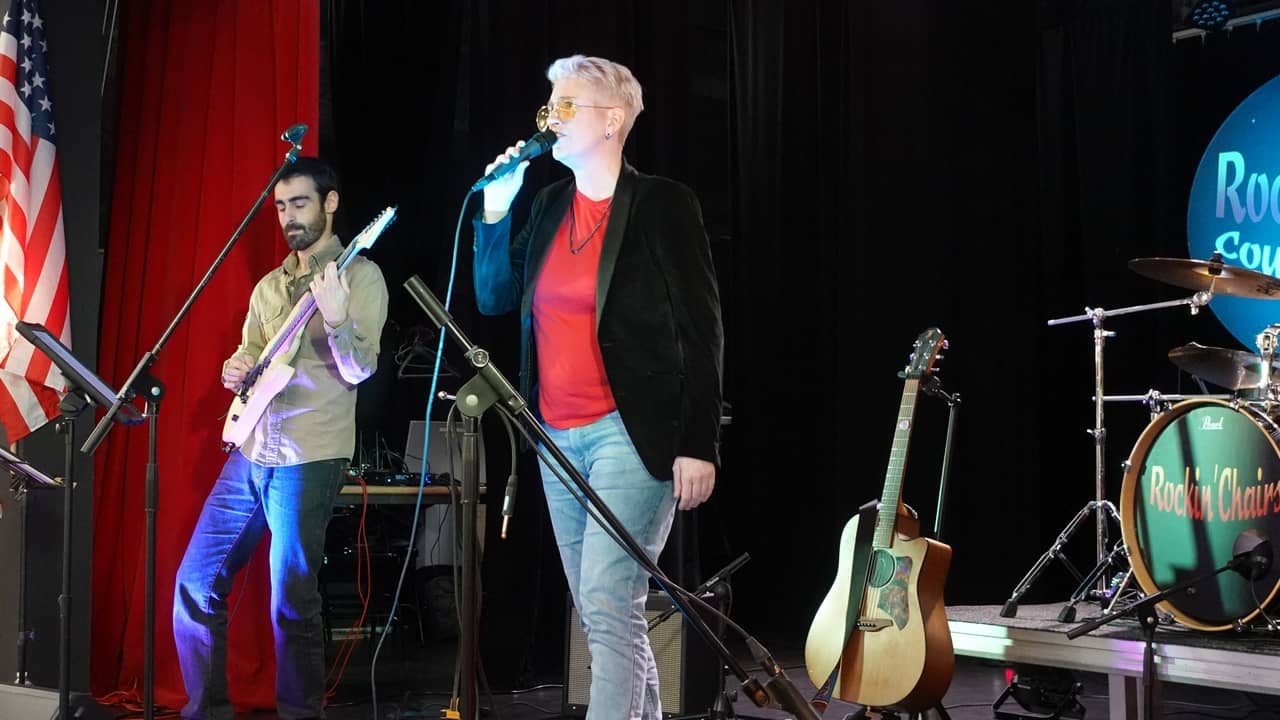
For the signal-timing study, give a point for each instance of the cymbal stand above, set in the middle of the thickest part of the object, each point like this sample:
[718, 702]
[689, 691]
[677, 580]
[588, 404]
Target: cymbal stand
[1100, 507]
[1267, 342]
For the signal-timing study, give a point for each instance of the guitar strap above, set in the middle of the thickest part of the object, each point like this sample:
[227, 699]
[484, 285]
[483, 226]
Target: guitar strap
[857, 589]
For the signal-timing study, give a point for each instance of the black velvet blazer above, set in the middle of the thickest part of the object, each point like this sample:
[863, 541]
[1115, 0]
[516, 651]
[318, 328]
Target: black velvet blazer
[657, 310]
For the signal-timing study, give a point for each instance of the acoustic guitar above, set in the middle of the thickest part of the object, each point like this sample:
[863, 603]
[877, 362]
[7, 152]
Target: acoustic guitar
[880, 637]
[273, 370]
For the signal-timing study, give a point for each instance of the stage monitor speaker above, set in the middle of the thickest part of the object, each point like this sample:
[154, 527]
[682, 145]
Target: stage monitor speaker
[689, 672]
[20, 702]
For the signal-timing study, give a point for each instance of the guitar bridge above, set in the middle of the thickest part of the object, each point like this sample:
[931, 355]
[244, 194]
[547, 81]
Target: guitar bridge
[873, 624]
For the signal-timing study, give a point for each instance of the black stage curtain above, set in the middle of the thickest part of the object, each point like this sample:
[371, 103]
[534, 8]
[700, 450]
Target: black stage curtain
[422, 97]
[867, 170]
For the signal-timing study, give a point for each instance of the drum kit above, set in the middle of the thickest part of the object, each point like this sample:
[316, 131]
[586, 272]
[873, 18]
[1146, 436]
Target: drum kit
[1203, 474]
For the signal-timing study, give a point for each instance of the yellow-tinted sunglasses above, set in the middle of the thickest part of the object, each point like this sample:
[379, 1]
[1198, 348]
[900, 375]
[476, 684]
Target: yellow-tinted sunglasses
[565, 110]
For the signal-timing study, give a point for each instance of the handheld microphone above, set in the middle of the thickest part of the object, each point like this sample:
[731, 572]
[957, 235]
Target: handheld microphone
[532, 148]
[293, 134]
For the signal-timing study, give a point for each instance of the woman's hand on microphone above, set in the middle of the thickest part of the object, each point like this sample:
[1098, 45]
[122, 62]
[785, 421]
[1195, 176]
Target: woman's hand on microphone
[499, 194]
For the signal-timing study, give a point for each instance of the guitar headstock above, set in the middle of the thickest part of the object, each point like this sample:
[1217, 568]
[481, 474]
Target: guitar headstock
[924, 354]
[370, 233]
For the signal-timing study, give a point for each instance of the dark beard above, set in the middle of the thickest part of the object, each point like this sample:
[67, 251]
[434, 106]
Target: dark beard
[309, 236]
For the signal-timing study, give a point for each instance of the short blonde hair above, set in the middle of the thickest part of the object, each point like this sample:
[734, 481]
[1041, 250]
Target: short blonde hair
[612, 79]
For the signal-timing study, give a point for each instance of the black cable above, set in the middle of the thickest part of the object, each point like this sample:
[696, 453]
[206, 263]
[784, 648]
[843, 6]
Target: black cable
[1253, 588]
[535, 688]
[539, 708]
[422, 479]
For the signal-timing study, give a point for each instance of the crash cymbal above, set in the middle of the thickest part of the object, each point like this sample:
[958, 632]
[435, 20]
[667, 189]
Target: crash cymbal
[1199, 275]
[1231, 369]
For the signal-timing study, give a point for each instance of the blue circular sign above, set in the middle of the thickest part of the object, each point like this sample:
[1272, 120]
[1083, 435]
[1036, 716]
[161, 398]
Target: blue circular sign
[1234, 207]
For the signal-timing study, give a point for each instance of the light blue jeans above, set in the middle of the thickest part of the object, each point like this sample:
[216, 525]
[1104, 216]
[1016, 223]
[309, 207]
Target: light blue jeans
[295, 503]
[610, 588]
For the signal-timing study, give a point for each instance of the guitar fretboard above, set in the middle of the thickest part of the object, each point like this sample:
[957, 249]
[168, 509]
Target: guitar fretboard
[892, 493]
[306, 308]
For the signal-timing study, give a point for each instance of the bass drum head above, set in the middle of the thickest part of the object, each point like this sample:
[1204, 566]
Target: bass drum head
[1199, 475]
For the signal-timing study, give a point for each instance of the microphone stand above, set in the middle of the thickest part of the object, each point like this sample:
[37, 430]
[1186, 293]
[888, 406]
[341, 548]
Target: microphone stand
[1144, 610]
[722, 575]
[71, 406]
[489, 387]
[141, 382]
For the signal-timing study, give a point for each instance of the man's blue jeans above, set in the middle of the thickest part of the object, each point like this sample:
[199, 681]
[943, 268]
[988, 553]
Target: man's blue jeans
[609, 588]
[295, 504]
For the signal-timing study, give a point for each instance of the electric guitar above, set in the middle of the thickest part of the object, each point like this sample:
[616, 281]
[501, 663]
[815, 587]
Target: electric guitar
[880, 637]
[274, 368]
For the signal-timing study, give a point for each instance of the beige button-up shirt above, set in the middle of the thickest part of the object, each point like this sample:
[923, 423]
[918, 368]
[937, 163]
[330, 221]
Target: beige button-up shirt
[313, 417]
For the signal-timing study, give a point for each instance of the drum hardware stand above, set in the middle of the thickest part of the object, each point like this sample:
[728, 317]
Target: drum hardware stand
[1119, 581]
[1010, 608]
[1267, 342]
[1251, 557]
[1099, 506]
[1159, 403]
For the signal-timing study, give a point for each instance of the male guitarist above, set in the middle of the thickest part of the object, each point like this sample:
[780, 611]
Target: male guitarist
[286, 474]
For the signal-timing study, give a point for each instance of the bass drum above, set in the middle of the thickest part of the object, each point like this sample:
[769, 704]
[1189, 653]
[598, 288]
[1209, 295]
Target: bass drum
[1199, 475]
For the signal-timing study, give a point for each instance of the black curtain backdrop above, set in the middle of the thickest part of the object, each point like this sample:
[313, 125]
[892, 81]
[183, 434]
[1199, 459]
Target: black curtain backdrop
[867, 170]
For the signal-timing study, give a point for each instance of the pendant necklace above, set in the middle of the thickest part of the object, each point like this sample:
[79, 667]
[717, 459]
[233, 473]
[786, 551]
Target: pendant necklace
[573, 225]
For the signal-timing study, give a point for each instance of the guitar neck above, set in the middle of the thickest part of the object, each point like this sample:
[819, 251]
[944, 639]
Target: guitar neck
[892, 494]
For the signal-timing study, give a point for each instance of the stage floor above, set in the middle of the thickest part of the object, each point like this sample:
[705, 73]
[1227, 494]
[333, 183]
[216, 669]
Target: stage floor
[1207, 674]
[1246, 661]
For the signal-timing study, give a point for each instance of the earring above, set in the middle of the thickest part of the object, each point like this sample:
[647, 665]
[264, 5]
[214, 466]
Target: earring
[608, 135]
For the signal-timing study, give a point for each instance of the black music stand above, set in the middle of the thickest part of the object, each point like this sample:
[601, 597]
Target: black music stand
[23, 474]
[85, 387]
[26, 471]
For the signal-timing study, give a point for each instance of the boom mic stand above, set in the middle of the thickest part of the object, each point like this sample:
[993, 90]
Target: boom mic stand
[489, 387]
[1099, 506]
[717, 588]
[1251, 558]
[141, 382]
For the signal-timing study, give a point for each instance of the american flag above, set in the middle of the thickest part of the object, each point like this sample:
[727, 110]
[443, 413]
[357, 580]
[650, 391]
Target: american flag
[32, 249]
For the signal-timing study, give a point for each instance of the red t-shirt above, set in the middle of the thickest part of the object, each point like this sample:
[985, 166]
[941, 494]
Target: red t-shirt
[573, 389]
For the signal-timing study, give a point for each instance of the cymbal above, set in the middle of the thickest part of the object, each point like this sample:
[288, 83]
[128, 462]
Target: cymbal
[1207, 275]
[1231, 369]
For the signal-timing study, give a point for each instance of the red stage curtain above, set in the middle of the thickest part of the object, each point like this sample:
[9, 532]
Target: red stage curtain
[206, 89]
